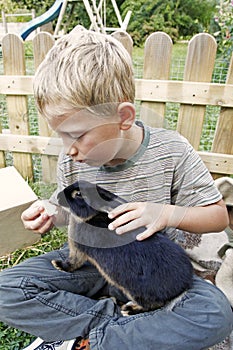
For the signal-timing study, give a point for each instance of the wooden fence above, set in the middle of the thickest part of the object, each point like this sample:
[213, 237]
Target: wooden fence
[154, 91]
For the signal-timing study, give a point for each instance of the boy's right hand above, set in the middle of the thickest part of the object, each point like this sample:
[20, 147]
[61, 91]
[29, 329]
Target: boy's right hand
[36, 219]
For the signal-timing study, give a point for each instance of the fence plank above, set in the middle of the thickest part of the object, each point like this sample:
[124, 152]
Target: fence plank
[157, 60]
[186, 92]
[31, 144]
[125, 39]
[223, 138]
[198, 67]
[16, 85]
[17, 107]
[42, 43]
[215, 162]
[2, 155]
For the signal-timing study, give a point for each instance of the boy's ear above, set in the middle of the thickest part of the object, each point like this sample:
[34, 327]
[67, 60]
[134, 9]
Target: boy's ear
[126, 112]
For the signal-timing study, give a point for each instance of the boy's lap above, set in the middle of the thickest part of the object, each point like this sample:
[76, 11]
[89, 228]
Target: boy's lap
[40, 269]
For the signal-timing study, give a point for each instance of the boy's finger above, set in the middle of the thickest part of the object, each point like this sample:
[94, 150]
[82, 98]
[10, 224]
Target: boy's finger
[36, 223]
[45, 227]
[120, 210]
[129, 226]
[146, 234]
[32, 212]
[125, 218]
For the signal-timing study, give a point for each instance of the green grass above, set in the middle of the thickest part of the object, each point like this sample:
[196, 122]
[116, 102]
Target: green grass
[11, 338]
[179, 50]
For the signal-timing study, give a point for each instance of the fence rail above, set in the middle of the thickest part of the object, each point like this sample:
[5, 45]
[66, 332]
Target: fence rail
[185, 92]
[153, 91]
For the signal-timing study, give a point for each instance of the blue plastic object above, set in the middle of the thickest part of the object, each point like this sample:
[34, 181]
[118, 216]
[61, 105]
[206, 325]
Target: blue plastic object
[47, 17]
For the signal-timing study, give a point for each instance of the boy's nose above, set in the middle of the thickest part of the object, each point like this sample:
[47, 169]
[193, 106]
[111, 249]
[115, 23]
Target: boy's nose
[72, 151]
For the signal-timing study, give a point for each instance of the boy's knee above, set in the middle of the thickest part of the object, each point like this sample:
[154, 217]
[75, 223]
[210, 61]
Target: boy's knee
[10, 295]
[4, 294]
[5, 280]
[223, 315]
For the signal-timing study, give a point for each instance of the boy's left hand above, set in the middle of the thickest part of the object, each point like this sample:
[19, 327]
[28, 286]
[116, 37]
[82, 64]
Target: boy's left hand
[129, 216]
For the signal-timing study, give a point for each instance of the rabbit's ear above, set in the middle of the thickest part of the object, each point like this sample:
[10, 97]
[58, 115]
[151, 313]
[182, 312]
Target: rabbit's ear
[62, 200]
[106, 195]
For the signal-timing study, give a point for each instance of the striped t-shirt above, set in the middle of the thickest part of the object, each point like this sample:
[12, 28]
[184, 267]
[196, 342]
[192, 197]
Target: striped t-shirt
[165, 169]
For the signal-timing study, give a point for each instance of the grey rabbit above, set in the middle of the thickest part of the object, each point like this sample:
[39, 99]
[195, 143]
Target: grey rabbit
[150, 273]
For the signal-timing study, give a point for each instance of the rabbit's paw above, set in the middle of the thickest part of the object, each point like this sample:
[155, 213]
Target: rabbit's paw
[131, 308]
[62, 265]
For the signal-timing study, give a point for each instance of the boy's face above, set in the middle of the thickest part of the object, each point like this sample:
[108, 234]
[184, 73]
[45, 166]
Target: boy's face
[88, 138]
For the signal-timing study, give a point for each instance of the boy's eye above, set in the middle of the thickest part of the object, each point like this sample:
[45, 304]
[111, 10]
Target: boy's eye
[75, 136]
[76, 194]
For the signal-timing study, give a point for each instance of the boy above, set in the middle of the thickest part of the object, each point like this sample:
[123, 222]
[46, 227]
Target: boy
[85, 89]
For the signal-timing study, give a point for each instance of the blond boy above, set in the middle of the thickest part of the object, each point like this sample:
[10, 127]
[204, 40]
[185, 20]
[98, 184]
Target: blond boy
[85, 90]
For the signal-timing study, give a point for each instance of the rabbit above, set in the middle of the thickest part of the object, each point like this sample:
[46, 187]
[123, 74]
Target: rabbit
[150, 273]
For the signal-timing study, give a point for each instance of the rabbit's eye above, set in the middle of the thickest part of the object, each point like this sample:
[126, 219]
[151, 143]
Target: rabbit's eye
[76, 194]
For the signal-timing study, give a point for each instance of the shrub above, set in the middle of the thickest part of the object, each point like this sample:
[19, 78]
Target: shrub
[224, 34]
[182, 18]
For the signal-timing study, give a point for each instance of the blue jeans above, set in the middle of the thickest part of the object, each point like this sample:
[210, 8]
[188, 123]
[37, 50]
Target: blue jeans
[56, 305]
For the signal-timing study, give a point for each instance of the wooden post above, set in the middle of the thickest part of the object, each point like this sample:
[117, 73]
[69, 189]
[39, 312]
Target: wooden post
[223, 138]
[2, 155]
[125, 39]
[157, 60]
[198, 67]
[4, 22]
[42, 43]
[17, 106]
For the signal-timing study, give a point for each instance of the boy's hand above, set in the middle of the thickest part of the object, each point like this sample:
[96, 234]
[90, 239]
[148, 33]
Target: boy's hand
[130, 216]
[36, 219]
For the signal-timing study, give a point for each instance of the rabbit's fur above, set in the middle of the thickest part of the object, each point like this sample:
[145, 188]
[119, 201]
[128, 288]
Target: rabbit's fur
[149, 272]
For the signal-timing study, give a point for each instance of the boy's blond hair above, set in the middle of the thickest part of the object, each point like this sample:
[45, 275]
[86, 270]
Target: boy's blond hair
[83, 69]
